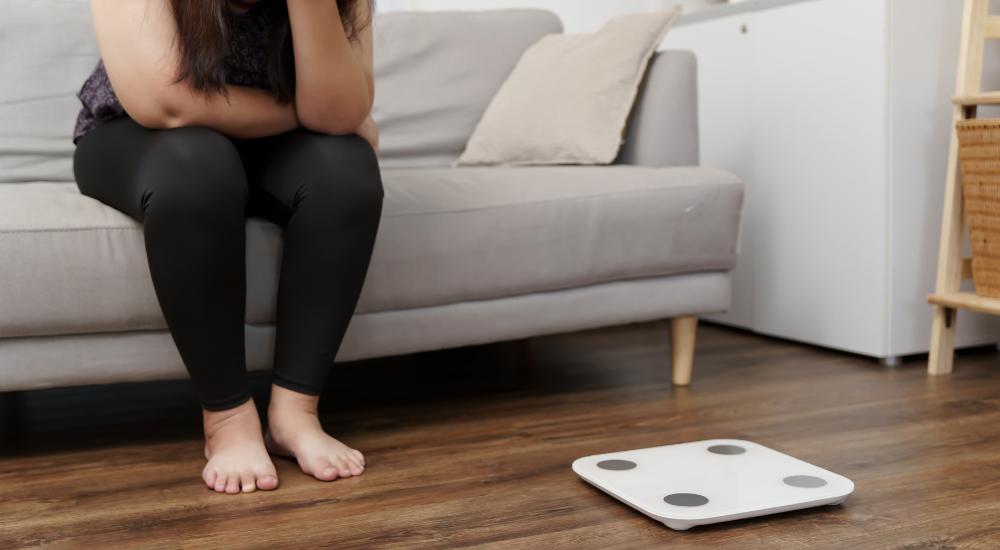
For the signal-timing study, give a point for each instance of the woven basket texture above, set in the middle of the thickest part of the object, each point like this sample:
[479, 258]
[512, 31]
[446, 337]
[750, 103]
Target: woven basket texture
[979, 161]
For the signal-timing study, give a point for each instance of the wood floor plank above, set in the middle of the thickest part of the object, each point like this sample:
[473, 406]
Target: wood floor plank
[471, 448]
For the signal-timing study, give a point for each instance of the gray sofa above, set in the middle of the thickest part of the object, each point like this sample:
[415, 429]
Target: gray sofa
[463, 256]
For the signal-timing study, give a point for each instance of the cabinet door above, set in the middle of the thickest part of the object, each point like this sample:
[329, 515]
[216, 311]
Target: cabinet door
[793, 100]
[819, 96]
[724, 76]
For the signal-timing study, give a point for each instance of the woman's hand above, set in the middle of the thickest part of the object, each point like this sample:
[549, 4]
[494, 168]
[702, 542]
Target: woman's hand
[369, 131]
[334, 86]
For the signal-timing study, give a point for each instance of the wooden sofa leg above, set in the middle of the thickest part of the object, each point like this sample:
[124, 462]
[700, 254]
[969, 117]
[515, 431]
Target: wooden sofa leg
[682, 339]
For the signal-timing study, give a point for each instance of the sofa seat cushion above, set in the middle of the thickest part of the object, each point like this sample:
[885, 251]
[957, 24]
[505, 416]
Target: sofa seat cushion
[71, 264]
[456, 234]
[74, 265]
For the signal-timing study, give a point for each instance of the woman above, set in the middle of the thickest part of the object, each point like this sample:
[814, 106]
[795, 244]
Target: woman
[203, 112]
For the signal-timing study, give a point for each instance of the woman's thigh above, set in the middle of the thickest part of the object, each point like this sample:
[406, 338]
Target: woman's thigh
[123, 164]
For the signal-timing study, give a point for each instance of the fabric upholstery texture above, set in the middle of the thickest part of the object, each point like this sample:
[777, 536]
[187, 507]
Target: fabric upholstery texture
[73, 359]
[446, 235]
[663, 126]
[569, 97]
[47, 49]
[437, 72]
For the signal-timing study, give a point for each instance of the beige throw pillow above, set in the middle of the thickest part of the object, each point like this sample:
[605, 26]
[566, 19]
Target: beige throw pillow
[568, 99]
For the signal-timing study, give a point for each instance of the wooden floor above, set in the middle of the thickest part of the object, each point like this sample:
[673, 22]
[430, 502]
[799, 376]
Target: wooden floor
[472, 447]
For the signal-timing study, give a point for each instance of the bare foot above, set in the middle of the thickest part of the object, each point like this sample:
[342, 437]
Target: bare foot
[294, 430]
[237, 459]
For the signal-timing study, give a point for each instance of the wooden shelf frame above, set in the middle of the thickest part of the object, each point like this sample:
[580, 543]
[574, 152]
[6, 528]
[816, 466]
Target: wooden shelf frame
[966, 300]
[978, 26]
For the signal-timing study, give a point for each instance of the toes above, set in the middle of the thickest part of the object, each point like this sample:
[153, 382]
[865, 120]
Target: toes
[242, 481]
[248, 483]
[324, 471]
[210, 476]
[233, 484]
[220, 483]
[341, 465]
[267, 482]
[267, 479]
[352, 464]
[357, 454]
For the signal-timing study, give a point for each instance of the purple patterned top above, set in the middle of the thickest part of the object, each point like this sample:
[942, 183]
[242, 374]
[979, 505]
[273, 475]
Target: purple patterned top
[246, 65]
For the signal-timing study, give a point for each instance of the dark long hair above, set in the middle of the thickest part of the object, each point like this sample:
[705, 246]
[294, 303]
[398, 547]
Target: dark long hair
[203, 42]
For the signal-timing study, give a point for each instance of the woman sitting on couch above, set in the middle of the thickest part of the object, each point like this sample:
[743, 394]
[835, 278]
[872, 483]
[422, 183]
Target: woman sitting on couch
[203, 112]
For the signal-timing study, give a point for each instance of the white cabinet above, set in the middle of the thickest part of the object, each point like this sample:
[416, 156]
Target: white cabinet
[835, 113]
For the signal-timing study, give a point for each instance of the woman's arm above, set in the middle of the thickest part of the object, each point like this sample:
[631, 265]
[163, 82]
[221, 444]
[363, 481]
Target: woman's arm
[334, 87]
[369, 131]
[137, 40]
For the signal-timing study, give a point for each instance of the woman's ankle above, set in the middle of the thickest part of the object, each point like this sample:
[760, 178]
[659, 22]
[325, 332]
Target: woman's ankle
[285, 401]
[215, 419]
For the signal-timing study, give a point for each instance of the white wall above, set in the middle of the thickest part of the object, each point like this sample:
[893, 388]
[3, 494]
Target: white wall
[577, 15]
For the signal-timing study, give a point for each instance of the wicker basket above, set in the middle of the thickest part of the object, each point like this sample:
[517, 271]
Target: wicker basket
[979, 158]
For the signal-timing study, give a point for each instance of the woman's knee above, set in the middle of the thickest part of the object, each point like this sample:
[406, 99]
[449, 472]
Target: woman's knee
[193, 171]
[345, 174]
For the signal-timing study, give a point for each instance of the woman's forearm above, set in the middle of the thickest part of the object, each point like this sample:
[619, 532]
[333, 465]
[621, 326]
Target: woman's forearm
[245, 113]
[138, 41]
[333, 93]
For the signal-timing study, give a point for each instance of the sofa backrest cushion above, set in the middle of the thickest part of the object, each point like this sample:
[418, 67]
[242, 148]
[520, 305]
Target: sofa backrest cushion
[47, 49]
[435, 72]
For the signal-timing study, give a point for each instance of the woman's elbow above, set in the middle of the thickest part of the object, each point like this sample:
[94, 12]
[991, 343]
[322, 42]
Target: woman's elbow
[160, 121]
[158, 115]
[333, 121]
[333, 125]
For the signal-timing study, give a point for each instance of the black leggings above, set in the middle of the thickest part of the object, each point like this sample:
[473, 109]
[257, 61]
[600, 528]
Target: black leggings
[192, 189]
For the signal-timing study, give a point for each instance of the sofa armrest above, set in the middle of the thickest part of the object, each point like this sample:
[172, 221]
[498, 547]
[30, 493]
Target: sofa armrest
[663, 127]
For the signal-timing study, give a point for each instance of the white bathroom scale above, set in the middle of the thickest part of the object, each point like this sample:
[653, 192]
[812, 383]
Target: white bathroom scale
[711, 481]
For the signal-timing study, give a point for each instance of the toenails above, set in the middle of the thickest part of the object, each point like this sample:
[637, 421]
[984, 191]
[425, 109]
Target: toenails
[267, 483]
[346, 468]
[237, 457]
[295, 430]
